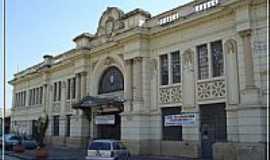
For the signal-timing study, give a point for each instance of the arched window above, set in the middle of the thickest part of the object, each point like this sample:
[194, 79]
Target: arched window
[112, 80]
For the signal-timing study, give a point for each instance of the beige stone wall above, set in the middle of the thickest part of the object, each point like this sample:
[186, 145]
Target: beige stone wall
[137, 57]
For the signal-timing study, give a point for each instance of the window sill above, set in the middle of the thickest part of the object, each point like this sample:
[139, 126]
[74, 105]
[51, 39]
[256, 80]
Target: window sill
[170, 85]
[211, 79]
[56, 102]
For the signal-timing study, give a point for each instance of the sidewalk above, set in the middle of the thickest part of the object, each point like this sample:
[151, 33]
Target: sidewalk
[55, 153]
[64, 153]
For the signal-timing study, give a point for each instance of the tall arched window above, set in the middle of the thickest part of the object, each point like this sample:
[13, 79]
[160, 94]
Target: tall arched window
[112, 80]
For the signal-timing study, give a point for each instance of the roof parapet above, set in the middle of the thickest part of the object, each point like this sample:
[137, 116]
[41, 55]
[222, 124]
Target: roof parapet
[48, 60]
[84, 40]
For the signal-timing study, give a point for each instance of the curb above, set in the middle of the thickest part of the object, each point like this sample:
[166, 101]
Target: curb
[31, 158]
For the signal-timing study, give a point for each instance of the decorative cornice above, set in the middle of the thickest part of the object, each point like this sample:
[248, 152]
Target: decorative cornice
[245, 33]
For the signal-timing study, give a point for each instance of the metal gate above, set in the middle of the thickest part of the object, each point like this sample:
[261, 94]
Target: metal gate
[213, 127]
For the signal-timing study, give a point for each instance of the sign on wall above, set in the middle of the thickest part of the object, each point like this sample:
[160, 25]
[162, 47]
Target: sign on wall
[105, 119]
[183, 119]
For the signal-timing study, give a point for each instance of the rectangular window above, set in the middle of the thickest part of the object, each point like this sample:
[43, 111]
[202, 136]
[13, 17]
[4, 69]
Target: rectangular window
[30, 97]
[24, 98]
[164, 71]
[217, 58]
[34, 97]
[55, 125]
[37, 95]
[176, 68]
[203, 67]
[68, 125]
[74, 88]
[16, 100]
[41, 95]
[68, 88]
[59, 90]
[171, 133]
[55, 92]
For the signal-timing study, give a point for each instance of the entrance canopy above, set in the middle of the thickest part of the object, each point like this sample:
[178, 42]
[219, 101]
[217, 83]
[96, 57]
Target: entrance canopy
[91, 101]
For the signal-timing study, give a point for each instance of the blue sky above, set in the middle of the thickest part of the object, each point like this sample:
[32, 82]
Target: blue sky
[38, 27]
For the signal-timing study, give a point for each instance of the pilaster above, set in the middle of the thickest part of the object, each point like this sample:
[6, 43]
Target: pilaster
[78, 86]
[63, 97]
[83, 83]
[250, 93]
[128, 89]
[190, 133]
[137, 85]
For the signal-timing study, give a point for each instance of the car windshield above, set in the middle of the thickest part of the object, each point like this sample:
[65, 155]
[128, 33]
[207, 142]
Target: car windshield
[99, 146]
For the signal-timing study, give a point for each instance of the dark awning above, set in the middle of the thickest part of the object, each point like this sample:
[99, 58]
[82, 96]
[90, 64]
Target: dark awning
[91, 101]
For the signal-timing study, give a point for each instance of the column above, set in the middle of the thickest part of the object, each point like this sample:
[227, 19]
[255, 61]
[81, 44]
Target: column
[250, 94]
[248, 59]
[83, 84]
[44, 97]
[190, 133]
[50, 97]
[13, 97]
[137, 79]
[63, 97]
[232, 89]
[128, 85]
[78, 86]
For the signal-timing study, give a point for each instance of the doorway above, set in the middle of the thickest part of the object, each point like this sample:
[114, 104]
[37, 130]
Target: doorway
[212, 127]
[110, 131]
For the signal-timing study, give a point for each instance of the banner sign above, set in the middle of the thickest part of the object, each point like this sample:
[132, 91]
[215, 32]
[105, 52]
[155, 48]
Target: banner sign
[183, 119]
[105, 119]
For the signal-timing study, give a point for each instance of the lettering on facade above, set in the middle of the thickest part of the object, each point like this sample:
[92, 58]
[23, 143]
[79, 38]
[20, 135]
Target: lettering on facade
[105, 119]
[183, 119]
[206, 5]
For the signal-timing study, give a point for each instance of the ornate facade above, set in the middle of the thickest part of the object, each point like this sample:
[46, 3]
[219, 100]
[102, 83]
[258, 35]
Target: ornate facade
[205, 58]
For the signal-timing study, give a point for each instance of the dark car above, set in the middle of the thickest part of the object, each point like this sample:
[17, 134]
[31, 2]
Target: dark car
[10, 140]
[29, 142]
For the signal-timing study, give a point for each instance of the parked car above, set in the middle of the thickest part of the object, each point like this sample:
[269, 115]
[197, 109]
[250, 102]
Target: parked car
[29, 142]
[10, 140]
[107, 150]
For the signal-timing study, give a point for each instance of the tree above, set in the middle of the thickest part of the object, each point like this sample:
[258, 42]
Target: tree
[42, 125]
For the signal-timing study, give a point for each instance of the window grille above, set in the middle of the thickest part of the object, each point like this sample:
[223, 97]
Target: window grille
[112, 80]
[164, 69]
[217, 58]
[55, 125]
[203, 67]
[175, 65]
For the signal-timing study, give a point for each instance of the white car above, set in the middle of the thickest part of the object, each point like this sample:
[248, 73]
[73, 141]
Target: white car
[107, 150]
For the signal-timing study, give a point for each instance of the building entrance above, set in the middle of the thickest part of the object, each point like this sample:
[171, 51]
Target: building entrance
[213, 127]
[108, 126]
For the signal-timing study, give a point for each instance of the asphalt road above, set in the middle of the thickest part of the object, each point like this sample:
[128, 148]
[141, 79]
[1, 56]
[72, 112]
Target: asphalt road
[11, 158]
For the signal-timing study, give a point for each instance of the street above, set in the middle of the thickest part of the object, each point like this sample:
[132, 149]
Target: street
[11, 158]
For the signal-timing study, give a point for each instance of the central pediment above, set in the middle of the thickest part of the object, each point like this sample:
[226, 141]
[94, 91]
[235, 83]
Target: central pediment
[110, 21]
